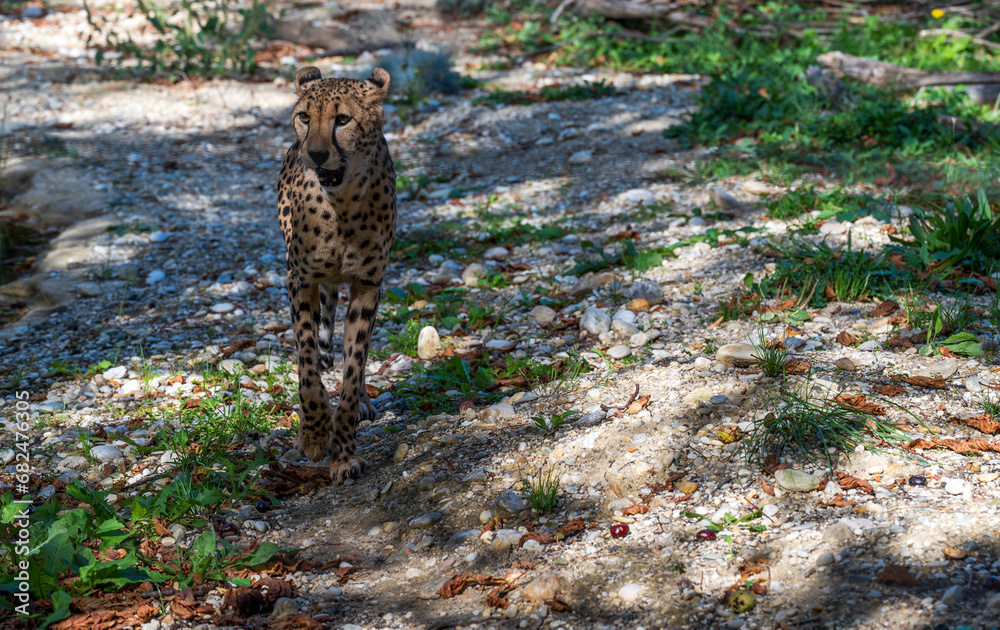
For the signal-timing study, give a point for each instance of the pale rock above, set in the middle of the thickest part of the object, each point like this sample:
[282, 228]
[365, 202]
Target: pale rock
[946, 369]
[543, 315]
[630, 593]
[581, 157]
[637, 197]
[723, 199]
[543, 588]
[796, 480]
[740, 355]
[496, 253]
[429, 343]
[595, 321]
[472, 274]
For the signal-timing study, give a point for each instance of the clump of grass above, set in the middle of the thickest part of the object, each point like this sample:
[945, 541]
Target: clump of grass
[547, 94]
[771, 356]
[961, 233]
[417, 73]
[543, 489]
[554, 422]
[991, 405]
[406, 341]
[813, 429]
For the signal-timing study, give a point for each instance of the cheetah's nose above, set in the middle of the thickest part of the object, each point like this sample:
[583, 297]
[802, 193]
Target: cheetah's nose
[319, 157]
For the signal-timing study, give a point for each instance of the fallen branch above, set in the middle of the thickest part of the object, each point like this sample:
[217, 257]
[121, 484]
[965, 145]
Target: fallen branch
[931, 32]
[894, 77]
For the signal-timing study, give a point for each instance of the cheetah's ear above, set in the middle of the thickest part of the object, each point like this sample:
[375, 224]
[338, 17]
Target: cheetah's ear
[379, 82]
[304, 77]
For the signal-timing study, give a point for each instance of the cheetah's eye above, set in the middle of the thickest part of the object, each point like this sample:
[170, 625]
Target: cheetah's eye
[303, 118]
[342, 119]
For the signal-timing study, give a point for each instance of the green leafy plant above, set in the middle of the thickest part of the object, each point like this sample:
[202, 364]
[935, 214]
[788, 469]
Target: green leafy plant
[192, 37]
[961, 233]
[549, 93]
[555, 421]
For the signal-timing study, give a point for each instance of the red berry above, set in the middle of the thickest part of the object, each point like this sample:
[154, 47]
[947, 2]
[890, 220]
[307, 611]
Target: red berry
[619, 530]
[706, 534]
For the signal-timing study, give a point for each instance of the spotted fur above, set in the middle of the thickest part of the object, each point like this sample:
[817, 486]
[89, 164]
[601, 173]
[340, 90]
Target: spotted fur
[337, 209]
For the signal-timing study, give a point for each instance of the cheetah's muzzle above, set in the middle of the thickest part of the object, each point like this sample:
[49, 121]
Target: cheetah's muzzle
[331, 179]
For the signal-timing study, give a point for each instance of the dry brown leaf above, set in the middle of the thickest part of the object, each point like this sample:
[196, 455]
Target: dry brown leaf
[295, 622]
[557, 604]
[936, 382]
[747, 570]
[109, 619]
[900, 342]
[829, 293]
[635, 509]
[858, 402]
[983, 422]
[848, 482]
[765, 487]
[954, 554]
[458, 583]
[497, 598]
[887, 307]
[889, 390]
[897, 573]
[542, 539]
[846, 339]
[796, 367]
[838, 501]
[958, 446]
[639, 404]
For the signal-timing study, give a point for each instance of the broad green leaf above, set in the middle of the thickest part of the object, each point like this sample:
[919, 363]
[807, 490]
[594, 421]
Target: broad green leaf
[960, 337]
[262, 554]
[60, 608]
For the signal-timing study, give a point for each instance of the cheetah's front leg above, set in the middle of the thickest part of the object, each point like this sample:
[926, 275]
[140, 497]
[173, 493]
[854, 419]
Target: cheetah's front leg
[358, 326]
[314, 412]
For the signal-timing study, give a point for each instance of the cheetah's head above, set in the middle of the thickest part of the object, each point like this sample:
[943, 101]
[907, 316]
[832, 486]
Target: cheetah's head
[339, 124]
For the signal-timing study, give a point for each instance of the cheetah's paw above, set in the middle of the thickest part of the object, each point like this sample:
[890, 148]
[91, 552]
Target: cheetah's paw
[311, 445]
[346, 466]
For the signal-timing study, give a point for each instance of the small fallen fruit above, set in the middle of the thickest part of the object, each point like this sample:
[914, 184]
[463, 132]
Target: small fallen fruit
[223, 527]
[706, 534]
[619, 530]
[918, 480]
[740, 601]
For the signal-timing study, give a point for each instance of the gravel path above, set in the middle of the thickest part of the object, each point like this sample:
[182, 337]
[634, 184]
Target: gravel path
[176, 271]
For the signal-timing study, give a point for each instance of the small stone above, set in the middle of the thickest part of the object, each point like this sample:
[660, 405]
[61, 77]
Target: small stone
[116, 373]
[32, 12]
[511, 503]
[870, 346]
[739, 355]
[401, 452]
[591, 419]
[619, 352]
[720, 399]
[291, 455]
[687, 487]
[499, 411]
[946, 369]
[429, 343]
[955, 486]
[485, 516]
[770, 510]
[953, 595]
[73, 461]
[824, 559]
[543, 315]
[638, 304]
[500, 345]
[645, 290]
[637, 197]
[843, 363]
[987, 477]
[473, 273]
[595, 321]
[543, 588]
[106, 453]
[232, 366]
[130, 387]
[796, 480]
[283, 607]
[757, 187]
[723, 199]
[837, 533]
[426, 520]
[702, 364]
[496, 253]
[630, 593]
[624, 329]
[155, 276]
[581, 157]
[223, 307]
[975, 384]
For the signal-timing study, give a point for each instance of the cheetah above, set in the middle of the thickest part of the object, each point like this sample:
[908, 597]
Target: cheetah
[337, 209]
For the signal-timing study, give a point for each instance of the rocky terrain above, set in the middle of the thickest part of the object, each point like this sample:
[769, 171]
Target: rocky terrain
[164, 283]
